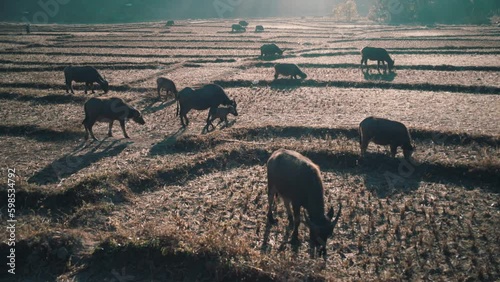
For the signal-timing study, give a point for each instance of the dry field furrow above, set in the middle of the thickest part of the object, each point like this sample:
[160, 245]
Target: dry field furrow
[412, 59]
[410, 77]
[142, 52]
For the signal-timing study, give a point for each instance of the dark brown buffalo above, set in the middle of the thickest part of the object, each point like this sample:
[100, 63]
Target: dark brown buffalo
[385, 132]
[209, 96]
[86, 74]
[291, 70]
[298, 181]
[270, 50]
[108, 110]
[376, 54]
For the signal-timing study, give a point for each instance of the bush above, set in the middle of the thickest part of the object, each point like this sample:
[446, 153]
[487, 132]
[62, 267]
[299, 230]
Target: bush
[434, 11]
[347, 11]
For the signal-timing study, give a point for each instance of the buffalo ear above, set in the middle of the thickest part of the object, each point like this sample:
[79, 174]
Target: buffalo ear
[330, 213]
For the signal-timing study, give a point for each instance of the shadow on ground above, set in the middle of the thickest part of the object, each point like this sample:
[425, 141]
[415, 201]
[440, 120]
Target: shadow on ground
[75, 161]
[385, 76]
[166, 146]
[38, 133]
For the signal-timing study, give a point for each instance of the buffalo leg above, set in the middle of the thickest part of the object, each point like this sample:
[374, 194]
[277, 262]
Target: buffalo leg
[210, 123]
[364, 145]
[122, 124]
[184, 119]
[110, 133]
[86, 129]
[270, 199]
[378, 66]
[91, 84]
[276, 75]
[89, 126]
[394, 150]
[70, 85]
[296, 222]
[211, 112]
[289, 213]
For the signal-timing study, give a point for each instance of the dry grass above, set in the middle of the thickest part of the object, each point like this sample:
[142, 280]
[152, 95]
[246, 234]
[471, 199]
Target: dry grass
[173, 204]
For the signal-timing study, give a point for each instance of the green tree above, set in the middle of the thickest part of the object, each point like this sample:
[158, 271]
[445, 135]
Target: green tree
[347, 11]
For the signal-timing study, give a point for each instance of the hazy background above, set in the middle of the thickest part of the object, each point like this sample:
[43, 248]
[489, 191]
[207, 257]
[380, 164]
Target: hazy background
[150, 10]
[115, 11]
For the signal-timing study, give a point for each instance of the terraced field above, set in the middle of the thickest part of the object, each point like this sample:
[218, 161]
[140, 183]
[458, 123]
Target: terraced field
[173, 204]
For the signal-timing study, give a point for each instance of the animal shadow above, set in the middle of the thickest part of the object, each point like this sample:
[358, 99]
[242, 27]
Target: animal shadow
[385, 76]
[75, 161]
[153, 107]
[266, 248]
[385, 175]
[229, 124]
[166, 146]
[285, 83]
[270, 57]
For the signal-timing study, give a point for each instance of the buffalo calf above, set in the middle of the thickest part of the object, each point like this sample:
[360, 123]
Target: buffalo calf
[221, 113]
[167, 85]
[209, 96]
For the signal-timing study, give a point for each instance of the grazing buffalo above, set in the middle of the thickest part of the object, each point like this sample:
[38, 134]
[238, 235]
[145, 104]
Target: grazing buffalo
[270, 50]
[108, 110]
[291, 70]
[259, 28]
[209, 96]
[237, 28]
[221, 113]
[169, 23]
[385, 132]
[376, 54]
[86, 74]
[298, 181]
[167, 85]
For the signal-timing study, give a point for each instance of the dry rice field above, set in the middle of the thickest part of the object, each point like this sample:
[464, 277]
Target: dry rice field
[173, 204]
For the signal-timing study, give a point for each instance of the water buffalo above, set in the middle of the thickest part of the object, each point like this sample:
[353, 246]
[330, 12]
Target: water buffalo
[291, 70]
[221, 113]
[259, 28]
[167, 85]
[169, 23]
[209, 96]
[297, 180]
[270, 50]
[376, 54]
[385, 132]
[237, 28]
[86, 74]
[108, 110]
